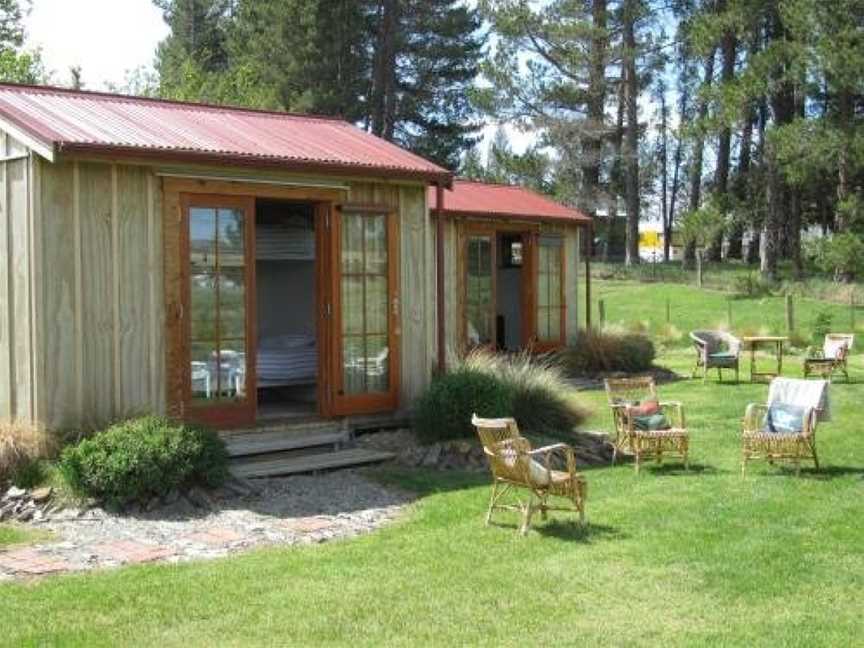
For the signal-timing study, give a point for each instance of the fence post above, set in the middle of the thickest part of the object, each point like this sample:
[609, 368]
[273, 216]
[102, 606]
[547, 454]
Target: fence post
[601, 311]
[852, 310]
[668, 311]
[790, 314]
[729, 312]
[698, 267]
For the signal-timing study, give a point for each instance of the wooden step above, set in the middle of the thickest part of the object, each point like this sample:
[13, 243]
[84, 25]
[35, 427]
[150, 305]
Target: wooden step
[289, 464]
[259, 443]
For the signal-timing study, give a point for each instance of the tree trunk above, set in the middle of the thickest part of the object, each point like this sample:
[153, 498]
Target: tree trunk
[684, 101]
[596, 111]
[698, 154]
[845, 113]
[783, 108]
[666, 217]
[384, 72]
[736, 236]
[631, 137]
[721, 175]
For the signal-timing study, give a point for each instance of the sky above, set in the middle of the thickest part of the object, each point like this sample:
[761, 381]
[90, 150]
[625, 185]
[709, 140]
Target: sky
[105, 37]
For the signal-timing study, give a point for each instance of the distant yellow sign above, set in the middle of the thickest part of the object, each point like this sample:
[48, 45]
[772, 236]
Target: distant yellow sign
[650, 239]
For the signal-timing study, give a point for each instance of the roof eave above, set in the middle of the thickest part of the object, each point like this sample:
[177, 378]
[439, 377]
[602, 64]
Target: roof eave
[305, 166]
[573, 220]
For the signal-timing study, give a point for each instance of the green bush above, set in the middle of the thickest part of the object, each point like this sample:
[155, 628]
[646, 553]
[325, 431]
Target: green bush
[530, 389]
[143, 458]
[596, 351]
[444, 412]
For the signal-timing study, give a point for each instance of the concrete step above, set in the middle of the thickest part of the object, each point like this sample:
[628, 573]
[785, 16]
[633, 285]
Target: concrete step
[276, 465]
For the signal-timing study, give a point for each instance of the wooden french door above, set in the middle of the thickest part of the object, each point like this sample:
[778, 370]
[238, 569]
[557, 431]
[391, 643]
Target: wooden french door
[365, 329]
[218, 288]
[549, 309]
[480, 287]
[479, 302]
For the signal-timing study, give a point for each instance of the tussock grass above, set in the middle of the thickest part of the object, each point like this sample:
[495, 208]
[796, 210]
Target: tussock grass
[22, 447]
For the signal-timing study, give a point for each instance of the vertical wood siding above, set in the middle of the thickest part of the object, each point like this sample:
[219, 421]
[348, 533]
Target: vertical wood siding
[18, 364]
[102, 302]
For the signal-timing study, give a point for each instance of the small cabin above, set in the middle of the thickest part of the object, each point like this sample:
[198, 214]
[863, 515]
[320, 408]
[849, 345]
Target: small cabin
[228, 266]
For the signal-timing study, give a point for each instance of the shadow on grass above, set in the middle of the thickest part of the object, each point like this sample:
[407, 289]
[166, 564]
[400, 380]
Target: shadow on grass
[564, 529]
[425, 481]
[824, 473]
[677, 469]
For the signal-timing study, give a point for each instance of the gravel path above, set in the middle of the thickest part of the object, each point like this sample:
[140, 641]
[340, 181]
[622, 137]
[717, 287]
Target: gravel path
[301, 509]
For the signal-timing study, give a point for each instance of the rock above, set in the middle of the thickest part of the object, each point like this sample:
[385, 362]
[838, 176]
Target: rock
[433, 454]
[238, 487]
[24, 515]
[41, 495]
[200, 498]
[171, 498]
[14, 493]
[180, 509]
[152, 504]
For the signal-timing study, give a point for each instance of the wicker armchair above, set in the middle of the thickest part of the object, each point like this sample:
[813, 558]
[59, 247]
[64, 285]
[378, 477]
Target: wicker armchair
[831, 358]
[625, 396]
[758, 441]
[715, 350]
[516, 466]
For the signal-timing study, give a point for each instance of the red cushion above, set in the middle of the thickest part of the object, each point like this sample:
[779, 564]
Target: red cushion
[646, 408]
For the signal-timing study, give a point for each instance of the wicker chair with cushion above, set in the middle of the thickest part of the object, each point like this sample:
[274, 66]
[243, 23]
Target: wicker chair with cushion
[516, 467]
[715, 350]
[779, 432]
[645, 426]
[831, 358]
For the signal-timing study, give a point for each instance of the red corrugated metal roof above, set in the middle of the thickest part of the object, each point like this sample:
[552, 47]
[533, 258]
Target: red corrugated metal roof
[470, 198]
[67, 120]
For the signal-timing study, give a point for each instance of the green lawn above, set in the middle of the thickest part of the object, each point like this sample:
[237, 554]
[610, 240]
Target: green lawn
[641, 307]
[16, 534]
[668, 559]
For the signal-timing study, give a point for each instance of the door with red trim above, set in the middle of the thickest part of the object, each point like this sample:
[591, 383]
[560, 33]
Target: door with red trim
[365, 325]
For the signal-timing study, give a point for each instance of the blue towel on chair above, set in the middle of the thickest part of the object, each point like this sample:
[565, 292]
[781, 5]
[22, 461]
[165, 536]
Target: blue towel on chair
[783, 418]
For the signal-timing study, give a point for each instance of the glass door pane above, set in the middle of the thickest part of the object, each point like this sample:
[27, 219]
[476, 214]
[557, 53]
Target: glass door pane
[549, 278]
[479, 290]
[217, 304]
[364, 264]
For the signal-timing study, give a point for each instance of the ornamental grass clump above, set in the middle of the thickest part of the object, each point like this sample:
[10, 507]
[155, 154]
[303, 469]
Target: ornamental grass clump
[531, 389]
[143, 458]
[599, 351]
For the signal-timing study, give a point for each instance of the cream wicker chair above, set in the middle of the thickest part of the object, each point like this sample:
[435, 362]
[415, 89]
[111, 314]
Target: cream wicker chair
[516, 466]
[624, 396]
[788, 435]
[832, 357]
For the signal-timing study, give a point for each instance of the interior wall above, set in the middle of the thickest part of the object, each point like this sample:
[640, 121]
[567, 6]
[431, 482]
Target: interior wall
[509, 303]
[286, 298]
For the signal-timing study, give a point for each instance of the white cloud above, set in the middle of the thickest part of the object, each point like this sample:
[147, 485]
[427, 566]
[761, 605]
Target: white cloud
[105, 37]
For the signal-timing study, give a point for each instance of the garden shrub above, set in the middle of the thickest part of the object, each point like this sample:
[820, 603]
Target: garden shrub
[142, 458]
[597, 351]
[530, 389]
[444, 411]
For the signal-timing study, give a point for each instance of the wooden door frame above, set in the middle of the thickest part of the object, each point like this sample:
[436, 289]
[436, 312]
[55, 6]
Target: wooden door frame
[341, 404]
[228, 413]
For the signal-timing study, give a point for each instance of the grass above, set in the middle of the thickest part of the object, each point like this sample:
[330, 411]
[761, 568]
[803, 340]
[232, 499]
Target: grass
[729, 276]
[691, 308]
[13, 534]
[669, 558]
